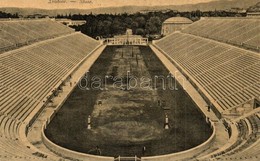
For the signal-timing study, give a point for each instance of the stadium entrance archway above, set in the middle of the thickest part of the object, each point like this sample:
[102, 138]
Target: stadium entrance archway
[256, 104]
[126, 41]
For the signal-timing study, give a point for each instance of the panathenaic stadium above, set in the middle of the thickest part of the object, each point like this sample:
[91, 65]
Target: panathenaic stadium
[66, 96]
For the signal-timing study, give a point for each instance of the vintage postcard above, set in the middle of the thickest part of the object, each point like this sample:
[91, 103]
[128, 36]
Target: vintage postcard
[129, 80]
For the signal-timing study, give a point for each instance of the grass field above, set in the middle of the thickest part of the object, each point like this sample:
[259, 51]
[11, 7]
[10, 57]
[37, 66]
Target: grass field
[130, 119]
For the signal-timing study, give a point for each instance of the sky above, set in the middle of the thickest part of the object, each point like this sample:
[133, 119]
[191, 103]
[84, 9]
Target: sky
[88, 4]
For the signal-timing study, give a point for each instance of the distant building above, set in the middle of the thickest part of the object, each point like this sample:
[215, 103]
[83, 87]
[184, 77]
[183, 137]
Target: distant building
[129, 32]
[174, 24]
[254, 11]
[69, 22]
[236, 10]
[253, 14]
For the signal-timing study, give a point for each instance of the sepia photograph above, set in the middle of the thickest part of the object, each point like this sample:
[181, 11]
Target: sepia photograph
[129, 80]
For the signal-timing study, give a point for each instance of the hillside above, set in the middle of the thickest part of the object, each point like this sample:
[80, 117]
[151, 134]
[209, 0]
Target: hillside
[219, 5]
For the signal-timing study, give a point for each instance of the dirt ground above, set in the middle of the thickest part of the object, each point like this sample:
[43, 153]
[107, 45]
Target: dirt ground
[126, 119]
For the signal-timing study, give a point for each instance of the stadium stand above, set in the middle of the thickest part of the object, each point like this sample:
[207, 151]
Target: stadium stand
[246, 146]
[243, 32]
[30, 75]
[15, 33]
[216, 60]
[39, 67]
[228, 74]
[10, 145]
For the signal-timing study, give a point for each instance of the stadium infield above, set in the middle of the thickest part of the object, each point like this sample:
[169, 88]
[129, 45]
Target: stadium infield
[128, 119]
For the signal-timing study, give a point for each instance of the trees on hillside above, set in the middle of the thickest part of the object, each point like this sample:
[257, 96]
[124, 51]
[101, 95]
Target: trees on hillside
[153, 26]
[8, 15]
[108, 25]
